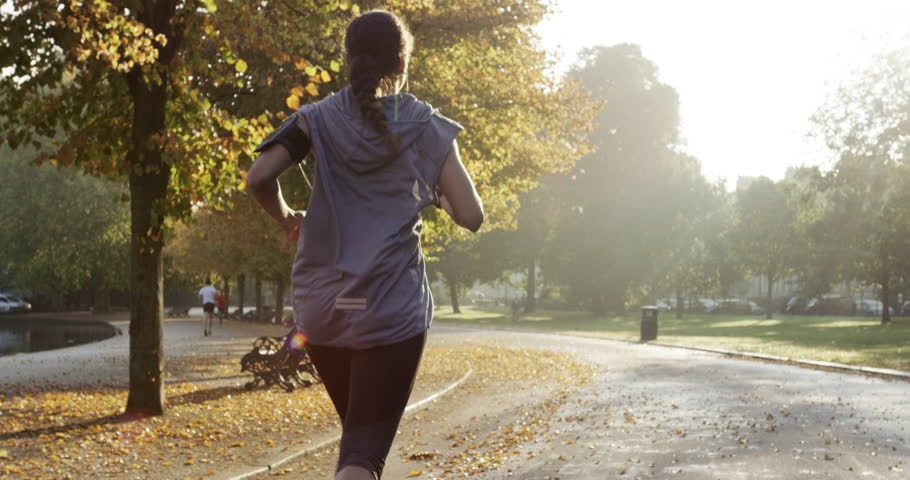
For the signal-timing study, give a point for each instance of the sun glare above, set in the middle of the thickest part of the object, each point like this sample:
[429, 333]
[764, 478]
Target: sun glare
[749, 74]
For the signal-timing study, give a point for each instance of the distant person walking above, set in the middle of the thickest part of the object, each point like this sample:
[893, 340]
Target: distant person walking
[207, 295]
[361, 297]
[221, 306]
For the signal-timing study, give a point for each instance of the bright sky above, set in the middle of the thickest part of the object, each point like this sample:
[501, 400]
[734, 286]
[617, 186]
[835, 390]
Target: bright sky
[749, 73]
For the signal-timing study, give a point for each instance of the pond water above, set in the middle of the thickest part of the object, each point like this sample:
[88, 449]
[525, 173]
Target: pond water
[24, 335]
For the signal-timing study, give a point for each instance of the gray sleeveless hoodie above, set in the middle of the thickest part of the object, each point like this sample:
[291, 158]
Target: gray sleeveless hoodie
[359, 276]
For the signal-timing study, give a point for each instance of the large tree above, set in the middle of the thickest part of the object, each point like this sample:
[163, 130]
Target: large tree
[685, 265]
[867, 125]
[156, 94]
[823, 257]
[765, 232]
[619, 209]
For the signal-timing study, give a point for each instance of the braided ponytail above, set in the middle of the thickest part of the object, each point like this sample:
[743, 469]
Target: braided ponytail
[378, 47]
[365, 80]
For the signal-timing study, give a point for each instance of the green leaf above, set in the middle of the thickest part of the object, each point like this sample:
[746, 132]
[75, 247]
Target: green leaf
[335, 66]
[310, 70]
[210, 5]
[240, 66]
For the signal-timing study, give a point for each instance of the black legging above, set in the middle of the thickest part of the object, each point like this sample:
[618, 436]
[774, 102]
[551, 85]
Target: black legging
[370, 390]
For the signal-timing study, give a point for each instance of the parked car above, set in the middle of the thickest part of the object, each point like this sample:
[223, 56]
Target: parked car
[796, 305]
[700, 305]
[870, 306]
[739, 306]
[479, 298]
[664, 305]
[11, 303]
[830, 304]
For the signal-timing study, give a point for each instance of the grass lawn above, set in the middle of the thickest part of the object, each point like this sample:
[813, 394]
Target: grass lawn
[850, 340]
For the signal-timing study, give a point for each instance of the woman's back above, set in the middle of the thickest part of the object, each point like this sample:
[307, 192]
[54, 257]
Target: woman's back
[362, 237]
[361, 295]
[367, 199]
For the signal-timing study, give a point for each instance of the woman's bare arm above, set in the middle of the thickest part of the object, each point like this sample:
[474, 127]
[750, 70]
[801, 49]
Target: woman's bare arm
[458, 197]
[262, 181]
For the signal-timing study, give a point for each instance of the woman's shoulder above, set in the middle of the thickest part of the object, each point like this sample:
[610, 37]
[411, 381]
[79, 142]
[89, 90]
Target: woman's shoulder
[332, 100]
[423, 110]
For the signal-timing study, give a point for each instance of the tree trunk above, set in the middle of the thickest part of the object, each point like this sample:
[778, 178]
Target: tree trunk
[885, 293]
[279, 302]
[679, 304]
[531, 301]
[226, 292]
[241, 292]
[769, 310]
[453, 294]
[258, 287]
[148, 180]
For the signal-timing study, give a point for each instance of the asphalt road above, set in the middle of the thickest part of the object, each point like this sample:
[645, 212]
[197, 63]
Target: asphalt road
[657, 412]
[648, 412]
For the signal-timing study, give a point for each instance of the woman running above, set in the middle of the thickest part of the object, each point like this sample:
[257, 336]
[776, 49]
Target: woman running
[361, 295]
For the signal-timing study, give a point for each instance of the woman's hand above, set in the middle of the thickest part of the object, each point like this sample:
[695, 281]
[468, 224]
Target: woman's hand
[291, 224]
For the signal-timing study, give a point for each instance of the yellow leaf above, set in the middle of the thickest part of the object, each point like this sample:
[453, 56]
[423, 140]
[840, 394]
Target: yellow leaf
[240, 66]
[300, 64]
[334, 65]
[298, 90]
[312, 89]
[356, 9]
[293, 102]
[4, 453]
[326, 78]
[415, 473]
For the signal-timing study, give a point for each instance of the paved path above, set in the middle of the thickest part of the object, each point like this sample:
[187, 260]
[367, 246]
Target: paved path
[655, 412]
[106, 362]
[661, 413]
[649, 412]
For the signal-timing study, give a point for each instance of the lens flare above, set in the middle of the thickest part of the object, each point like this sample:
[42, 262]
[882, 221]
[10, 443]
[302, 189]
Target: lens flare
[298, 341]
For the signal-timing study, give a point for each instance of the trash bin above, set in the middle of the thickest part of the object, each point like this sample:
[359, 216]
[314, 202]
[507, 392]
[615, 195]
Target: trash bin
[648, 323]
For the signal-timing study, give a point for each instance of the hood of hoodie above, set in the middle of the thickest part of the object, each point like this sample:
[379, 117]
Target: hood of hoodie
[355, 142]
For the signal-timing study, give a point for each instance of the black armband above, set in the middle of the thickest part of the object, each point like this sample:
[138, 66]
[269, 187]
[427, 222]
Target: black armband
[291, 137]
